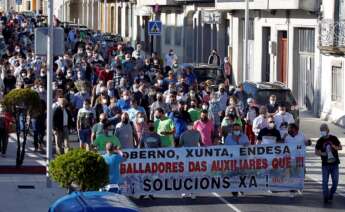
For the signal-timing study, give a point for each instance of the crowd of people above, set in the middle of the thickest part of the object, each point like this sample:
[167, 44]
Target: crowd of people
[133, 99]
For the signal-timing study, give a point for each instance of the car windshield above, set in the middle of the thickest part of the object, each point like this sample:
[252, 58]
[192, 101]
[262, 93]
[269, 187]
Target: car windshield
[203, 74]
[283, 96]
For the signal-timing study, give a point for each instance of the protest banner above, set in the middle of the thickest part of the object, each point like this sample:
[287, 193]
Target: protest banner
[278, 167]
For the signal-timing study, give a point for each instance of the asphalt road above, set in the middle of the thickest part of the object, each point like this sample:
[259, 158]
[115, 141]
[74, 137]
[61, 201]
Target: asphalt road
[310, 200]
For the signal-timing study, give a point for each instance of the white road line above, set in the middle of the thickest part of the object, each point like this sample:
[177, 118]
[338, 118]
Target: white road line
[226, 202]
[319, 182]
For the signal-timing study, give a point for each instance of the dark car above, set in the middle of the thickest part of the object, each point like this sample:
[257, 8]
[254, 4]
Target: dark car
[205, 72]
[261, 91]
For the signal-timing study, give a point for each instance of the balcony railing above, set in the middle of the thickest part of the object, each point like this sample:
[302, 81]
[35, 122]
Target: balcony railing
[332, 35]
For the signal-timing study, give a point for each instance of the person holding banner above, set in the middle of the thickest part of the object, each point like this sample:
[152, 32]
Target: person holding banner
[327, 148]
[113, 158]
[269, 134]
[260, 122]
[237, 137]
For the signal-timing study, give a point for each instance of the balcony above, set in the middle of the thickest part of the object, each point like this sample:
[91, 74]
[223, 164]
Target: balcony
[308, 5]
[332, 36]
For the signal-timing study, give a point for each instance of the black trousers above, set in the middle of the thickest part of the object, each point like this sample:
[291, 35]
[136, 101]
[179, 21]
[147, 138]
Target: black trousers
[3, 141]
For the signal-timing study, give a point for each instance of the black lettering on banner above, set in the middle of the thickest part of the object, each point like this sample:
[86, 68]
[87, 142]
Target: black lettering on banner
[147, 185]
[125, 154]
[202, 184]
[171, 153]
[243, 182]
[269, 150]
[226, 182]
[189, 153]
[151, 154]
[185, 184]
[157, 185]
[179, 186]
[286, 150]
[243, 151]
[167, 188]
[252, 182]
[277, 150]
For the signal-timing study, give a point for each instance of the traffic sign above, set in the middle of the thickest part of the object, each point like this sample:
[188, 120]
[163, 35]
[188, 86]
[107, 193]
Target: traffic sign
[19, 2]
[155, 27]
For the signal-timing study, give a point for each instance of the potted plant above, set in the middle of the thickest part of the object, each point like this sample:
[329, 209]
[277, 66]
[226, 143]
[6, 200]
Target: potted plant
[21, 103]
[79, 168]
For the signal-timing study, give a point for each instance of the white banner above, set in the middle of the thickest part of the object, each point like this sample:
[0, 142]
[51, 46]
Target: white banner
[213, 169]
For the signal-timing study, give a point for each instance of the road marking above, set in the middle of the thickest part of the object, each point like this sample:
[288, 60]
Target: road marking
[226, 202]
[319, 182]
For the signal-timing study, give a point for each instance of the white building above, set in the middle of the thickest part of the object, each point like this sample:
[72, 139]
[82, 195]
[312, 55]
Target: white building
[332, 47]
[282, 44]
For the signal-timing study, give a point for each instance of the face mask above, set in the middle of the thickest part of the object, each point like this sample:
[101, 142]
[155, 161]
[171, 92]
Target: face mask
[125, 121]
[157, 117]
[104, 121]
[104, 101]
[271, 125]
[323, 133]
[41, 90]
[236, 133]
[141, 120]
[204, 119]
[125, 98]
[2, 109]
[272, 102]
[204, 107]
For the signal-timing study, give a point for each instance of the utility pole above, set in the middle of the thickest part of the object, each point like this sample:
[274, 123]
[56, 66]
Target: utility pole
[246, 25]
[49, 87]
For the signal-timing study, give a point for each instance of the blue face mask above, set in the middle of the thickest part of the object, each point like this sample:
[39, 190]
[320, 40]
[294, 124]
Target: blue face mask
[323, 133]
[236, 133]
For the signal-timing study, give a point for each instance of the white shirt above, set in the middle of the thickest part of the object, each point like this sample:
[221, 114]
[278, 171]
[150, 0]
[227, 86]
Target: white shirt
[169, 59]
[259, 123]
[279, 118]
[139, 54]
[299, 138]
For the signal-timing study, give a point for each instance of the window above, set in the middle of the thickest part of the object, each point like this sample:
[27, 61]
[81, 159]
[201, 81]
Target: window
[337, 84]
[178, 28]
[168, 28]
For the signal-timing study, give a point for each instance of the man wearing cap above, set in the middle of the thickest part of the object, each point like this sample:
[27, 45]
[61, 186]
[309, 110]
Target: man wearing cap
[327, 148]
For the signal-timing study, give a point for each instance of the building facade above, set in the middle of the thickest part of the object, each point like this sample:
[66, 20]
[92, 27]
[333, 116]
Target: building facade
[332, 46]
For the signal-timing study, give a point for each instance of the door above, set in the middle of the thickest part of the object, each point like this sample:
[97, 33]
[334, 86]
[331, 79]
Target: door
[112, 19]
[304, 68]
[266, 59]
[119, 20]
[282, 57]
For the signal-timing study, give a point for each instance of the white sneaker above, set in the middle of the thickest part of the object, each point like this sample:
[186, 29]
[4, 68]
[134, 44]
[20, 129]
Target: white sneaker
[192, 196]
[292, 194]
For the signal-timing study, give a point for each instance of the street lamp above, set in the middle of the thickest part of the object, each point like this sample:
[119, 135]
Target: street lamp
[246, 25]
[49, 87]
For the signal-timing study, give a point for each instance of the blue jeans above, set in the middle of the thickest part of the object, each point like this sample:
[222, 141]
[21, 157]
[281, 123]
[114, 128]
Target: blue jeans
[333, 170]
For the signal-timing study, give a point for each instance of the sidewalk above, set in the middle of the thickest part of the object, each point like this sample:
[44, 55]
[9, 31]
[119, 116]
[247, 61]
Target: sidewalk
[38, 198]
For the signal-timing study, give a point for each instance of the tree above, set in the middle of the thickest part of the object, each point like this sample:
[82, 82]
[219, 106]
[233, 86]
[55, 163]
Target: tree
[85, 169]
[22, 103]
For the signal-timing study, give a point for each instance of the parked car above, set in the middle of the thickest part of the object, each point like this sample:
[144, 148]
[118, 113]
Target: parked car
[205, 72]
[93, 202]
[261, 92]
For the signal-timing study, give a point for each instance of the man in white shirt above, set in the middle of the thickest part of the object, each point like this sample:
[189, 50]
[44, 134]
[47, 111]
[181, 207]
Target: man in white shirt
[283, 116]
[169, 58]
[260, 122]
[138, 53]
[294, 136]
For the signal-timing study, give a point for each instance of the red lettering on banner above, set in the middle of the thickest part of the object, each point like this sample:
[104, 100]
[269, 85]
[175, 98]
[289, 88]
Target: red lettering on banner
[197, 166]
[281, 163]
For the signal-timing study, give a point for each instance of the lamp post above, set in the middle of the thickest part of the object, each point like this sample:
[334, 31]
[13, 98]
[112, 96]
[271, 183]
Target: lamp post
[246, 25]
[49, 87]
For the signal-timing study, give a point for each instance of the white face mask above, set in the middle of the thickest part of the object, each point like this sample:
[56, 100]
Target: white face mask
[125, 98]
[272, 102]
[2, 109]
[204, 107]
[141, 120]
